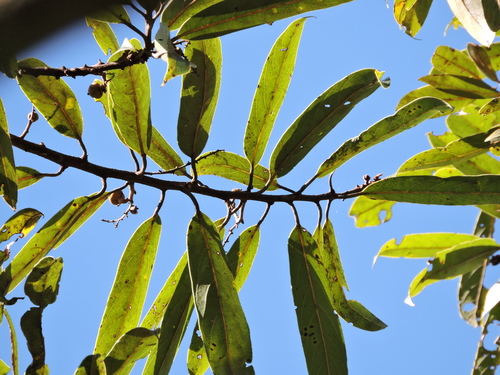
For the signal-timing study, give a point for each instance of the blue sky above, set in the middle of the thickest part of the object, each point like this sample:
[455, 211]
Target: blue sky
[429, 338]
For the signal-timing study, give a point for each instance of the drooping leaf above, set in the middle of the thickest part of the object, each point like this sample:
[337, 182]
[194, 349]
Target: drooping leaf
[163, 154]
[453, 262]
[319, 326]
[199, 95]
[331, 252]
[271, 90]
[126, 299]
[222, 323]
[235, 168]
[461, 86]
[460, 190]
[112, 13]
[31, 325]
[54, 99]
[22, 222]
[411, 14]
[132, 346]
[227, 17]
[128, 99]
[178, 11]
[13, 342]
[8, 176]
[174, 304]
[104, 35]
[42, 284]
[452, 61]
[482, 60]
[471, 15]
[57, 230]
[405, 118]
[367, 211]
[321, 116]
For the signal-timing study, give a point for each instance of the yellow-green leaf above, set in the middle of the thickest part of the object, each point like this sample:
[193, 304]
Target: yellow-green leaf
[42, 284]
[8, 175]
[21, 222]
[411, 14]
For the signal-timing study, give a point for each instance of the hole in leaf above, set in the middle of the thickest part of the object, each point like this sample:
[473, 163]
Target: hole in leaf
[347, 103]
[327, 105]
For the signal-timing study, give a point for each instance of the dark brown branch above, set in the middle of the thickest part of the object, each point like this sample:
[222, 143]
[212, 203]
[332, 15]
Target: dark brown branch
[68, 161]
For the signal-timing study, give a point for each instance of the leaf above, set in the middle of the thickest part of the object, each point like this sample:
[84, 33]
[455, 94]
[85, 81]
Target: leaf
[163, 154]
[492, 106]
[488, 356]
[128, 99]
[22, 222]
[57, 230]
[178, 11]
[321, 116]
[174, 305]
[27, 176]
[13, 342]
[453, 262]
[222, 323]
[31, 325]
[199, 95]
[104, 35]
[331, 252]
[112, 13]
[405, 118]
[469, 122]
[227, 17]
[471, 15]
[367, 211]
[456, 151]
[319, 326]
[233, 167]
[54, 99]
[42, 284]
[91, 365]
[127, 295]
[460, 86]
[132, 346]
[460, 190]
[8, 176]
[4, 369]
[481, 58]
[271, 90]
[452, 61]
[423, 245]
[411, 14]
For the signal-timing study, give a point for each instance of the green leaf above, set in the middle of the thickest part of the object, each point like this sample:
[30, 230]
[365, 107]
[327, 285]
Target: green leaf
[460, 190]
[271, 90]
[128, 99]
[178, 11]
[163, 154]
[132, 346]
[471, 15]
[411, 14]
[319, 326]
[488, 356]
[460, 86]
[366, 212]
[456, 151]
[4, 369]
[423, 245]
[470, 121]
[31, 325]
[453, 262]
[8, 176]
[27, 176]
[481, 58]
[405, 118]
[331, 253]
[174, 305]
[452, 61]
[54, 99]
[112, 13]
[492, 106]
[57, 230]
[21, 222]
[222, 323]
[233, 167]
[13, 342]
[227, 17]
[199, 95]
[104, 35]
[321, 116]
[126, 299]
[92, 365]
[42, 284]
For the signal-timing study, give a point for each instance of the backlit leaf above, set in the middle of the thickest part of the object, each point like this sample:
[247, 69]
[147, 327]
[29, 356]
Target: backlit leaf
[223, 326]
[163, 154]
[492, 106]
[452, 61]
[112, 13]
[367, 212]
[21, 222]
[411, 14]
[57, 230]
[470, 121]
[321, 116]
[42, 284]
[92, 365]
[199, 95]
[126, 299]
[31, 325]
[271, 90]
[471, 15]
[488, 353]
[8, 175]
[482, 60]
[104, 35]
[460, 86]
[54, 99]
[178, 11]
[405, 118]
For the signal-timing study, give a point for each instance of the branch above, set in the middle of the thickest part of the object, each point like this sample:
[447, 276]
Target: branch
[189, 187]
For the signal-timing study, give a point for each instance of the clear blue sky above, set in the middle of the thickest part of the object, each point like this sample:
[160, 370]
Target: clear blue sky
[429, 338]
